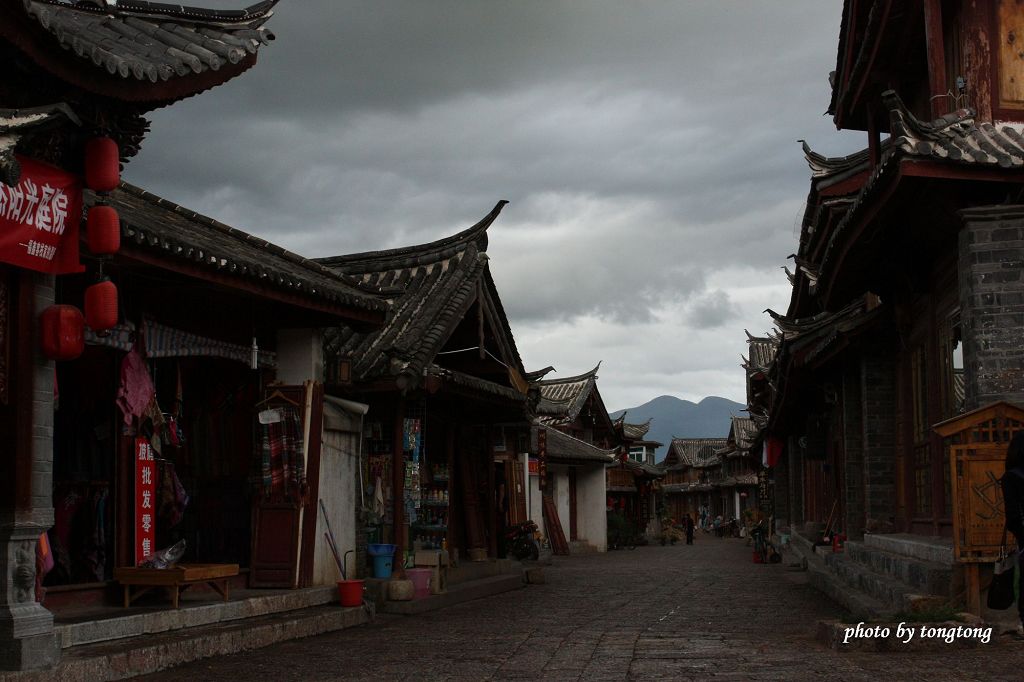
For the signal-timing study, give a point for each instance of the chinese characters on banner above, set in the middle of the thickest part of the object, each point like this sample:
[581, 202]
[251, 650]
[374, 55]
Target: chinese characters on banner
[39, 219]
[145, 500]
[542, 458]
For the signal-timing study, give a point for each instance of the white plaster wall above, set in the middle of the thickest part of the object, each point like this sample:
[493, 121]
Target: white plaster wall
[300, 355]
[562, 499]
[337, 490]
[592, 521]
[534, 503]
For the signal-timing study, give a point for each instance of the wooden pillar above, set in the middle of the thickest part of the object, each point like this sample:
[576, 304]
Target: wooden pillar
[936, 51]
[492, 503]
[398, 489]
[472, 514]
[973, 588]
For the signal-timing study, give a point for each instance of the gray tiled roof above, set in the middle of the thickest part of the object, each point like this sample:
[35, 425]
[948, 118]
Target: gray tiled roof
[432, 287]
[561, 447]
[635, 432]
[154, 41]
[155, 224]
[690, 452]
[760, 353]
[645, 469]
[562, 399]
[956, 138]
[742, 431]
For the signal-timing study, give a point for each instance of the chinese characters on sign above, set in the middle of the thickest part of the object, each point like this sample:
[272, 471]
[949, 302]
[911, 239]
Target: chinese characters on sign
[145, 494]
[39, 219]
[542, 457]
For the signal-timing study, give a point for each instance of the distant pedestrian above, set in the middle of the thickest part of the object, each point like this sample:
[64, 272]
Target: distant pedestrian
[1013, 504]
[689, 529]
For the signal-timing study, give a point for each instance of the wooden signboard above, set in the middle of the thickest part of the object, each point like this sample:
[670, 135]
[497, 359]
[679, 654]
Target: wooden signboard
[978, 519]
[977, 453]
[978, 442]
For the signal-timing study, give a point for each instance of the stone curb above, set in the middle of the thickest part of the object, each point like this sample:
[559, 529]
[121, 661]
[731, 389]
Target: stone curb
[148, 654]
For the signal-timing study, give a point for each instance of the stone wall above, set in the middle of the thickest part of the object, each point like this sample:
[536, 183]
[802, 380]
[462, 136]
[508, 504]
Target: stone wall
[853, 451]
[991, 280]
[878, 409]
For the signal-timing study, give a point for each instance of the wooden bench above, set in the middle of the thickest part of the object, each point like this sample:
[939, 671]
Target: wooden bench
[174, 580]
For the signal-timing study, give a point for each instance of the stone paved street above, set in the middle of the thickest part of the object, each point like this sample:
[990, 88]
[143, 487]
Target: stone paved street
[680, 612]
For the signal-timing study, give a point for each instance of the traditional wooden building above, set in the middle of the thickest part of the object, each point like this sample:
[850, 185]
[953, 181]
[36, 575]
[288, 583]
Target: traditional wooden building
[640, 449]
[75, 73]
[450, 436]
[686, 487]
[737, 487]
[908, 278]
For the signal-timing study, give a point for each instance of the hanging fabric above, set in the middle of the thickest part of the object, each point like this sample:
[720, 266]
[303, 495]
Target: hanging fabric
[136, 390]
[281, 449]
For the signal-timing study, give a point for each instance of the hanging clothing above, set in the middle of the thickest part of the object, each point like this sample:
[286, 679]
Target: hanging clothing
[136, 389]
[281, 449]
[172, 497]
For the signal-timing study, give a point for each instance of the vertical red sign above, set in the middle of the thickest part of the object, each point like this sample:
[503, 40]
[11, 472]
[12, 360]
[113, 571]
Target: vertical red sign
[145, 500]
[542, 458]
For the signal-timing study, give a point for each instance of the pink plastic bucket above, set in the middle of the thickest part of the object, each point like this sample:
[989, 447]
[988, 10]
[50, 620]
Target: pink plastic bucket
[420, 578]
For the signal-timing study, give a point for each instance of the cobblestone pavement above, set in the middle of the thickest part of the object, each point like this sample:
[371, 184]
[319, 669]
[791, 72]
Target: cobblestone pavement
[681, 613]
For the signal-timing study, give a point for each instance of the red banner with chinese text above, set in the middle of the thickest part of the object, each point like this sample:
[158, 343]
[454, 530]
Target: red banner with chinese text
[39, 219]
[145, 500]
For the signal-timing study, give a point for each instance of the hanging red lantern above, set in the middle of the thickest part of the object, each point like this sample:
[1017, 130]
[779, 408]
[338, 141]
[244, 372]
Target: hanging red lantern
[102, 164]
[101, 305]
[63, 332]
[103, 230]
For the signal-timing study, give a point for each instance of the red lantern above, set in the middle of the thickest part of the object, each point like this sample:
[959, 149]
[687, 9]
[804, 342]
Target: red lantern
[63, 332]
[103, 230]
[101, 306]
[102, 165]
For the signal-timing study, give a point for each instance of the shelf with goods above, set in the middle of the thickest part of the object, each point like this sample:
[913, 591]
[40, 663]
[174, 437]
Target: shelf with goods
[431, 530]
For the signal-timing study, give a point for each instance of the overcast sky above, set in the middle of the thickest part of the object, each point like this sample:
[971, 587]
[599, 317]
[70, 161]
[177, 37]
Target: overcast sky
[648, 149]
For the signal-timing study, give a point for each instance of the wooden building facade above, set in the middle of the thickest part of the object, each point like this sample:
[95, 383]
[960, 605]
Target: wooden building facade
[75, 73]
[908, 294]
[451, 432]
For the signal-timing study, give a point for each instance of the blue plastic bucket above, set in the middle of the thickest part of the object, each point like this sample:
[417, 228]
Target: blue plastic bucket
[383, 557]
[382, 567]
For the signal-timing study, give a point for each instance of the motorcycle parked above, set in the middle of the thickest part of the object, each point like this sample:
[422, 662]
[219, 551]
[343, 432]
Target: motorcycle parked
[520, 541]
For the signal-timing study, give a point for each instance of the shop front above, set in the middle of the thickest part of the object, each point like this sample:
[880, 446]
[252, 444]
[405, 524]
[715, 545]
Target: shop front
[195, 422]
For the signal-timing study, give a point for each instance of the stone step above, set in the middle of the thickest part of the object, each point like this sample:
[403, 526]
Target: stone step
[928, 549]
[822, 578]
[468, 571]
[111, 625]
[150, 653]
[456, 594]
[922, 576]
[887, 590]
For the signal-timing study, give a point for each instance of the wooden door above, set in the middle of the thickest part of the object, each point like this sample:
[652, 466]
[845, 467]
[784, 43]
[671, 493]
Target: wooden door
[275, 545]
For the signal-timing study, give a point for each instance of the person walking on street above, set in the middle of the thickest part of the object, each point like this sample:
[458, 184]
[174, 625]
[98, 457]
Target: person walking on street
[689, 529]
[1013, 505]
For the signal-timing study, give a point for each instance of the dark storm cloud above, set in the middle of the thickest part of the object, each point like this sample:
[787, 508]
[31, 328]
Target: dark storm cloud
[645, 147]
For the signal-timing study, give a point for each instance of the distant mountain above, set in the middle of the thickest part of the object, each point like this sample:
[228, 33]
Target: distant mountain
[684, 419]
